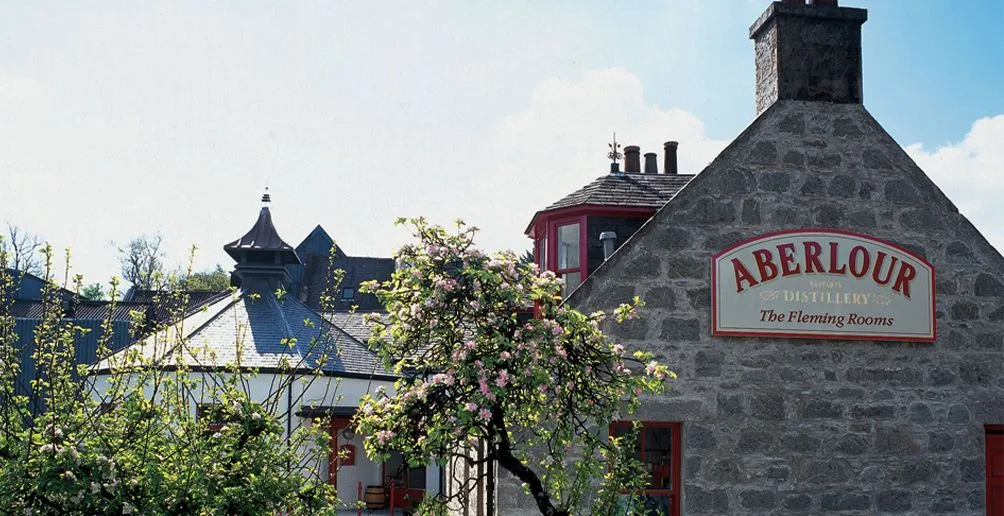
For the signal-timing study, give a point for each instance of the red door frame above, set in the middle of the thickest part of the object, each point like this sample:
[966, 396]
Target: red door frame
[995, 456]
[335, 427]
[677, 458]
[414, 495]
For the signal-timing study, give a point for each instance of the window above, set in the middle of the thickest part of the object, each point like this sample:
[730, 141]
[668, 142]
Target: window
[659, 449]
[542, 253]
[568, 252]
[348, 293]
[212, 414]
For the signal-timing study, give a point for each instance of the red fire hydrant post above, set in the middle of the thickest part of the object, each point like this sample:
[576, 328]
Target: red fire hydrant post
[392, 499]
[359, 500]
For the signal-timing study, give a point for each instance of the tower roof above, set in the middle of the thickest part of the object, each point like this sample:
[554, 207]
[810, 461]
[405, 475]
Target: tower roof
[262, 237]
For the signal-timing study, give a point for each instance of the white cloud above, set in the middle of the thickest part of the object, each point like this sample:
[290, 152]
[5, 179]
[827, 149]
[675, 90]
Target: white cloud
[971, 173]
[558, 143]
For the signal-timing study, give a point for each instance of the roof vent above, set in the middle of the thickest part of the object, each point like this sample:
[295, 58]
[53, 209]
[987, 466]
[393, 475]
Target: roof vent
[608, 238]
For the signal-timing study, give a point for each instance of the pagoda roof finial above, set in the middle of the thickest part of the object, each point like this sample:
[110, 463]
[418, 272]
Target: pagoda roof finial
[265, 197]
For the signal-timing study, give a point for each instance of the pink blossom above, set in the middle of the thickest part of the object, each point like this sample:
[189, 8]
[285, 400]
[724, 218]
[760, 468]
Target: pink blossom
[470, 344]
[384, 435]
[560, 350]
[651, 367]
[479, 363]
[503, 378]
[471, 406]
[556, 330]
[543, 388]
[618, 349]
[505, 355]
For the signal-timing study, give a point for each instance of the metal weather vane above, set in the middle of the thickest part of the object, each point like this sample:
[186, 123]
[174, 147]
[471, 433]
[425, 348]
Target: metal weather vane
[614, 153]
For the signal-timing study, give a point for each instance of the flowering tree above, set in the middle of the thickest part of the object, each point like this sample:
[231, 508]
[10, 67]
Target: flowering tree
[138, 446]
[535, 394]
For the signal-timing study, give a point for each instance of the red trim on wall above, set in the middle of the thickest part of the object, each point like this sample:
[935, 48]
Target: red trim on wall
[677, 457]
[541, 218]
[716, 332]
[994, 456]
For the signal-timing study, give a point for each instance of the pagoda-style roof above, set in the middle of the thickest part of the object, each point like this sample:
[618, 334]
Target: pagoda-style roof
[629, 190]
[262, 237]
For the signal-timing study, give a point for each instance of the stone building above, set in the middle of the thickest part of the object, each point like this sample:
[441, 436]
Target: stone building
[812, 379]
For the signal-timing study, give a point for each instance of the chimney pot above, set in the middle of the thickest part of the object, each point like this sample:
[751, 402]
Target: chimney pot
[651, 163]
[670, 158]
[632, 156]
[608, 238]
[615, 168]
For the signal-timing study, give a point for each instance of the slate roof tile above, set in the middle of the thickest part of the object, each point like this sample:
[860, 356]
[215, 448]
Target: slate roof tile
[633, 190]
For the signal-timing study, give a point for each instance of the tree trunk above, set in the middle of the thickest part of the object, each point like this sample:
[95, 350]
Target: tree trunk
[508, 461]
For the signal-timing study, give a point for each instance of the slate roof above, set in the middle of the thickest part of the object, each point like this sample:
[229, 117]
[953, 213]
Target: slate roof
[630, 190]
[256, 329]
[353, 323]
[262, 237]
[85, 310]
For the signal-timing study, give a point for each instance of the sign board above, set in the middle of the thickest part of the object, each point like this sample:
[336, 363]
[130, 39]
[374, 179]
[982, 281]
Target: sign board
[822, 284]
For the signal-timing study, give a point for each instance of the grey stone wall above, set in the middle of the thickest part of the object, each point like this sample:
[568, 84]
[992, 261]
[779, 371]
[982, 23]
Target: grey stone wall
[786, 426]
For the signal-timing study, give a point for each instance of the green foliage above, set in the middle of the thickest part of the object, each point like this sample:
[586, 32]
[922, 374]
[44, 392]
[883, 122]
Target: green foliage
[538, 394]
[127, 439]
[214, 280]
[93, 292]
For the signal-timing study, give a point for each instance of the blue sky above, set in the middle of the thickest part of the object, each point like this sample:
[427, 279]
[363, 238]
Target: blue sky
[123, 118]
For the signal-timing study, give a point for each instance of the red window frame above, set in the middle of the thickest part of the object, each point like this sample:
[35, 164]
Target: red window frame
[673, 493]
[552, 247]
[994, 479]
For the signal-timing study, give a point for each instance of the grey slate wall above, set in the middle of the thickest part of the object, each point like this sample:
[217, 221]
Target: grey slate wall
[786, 426]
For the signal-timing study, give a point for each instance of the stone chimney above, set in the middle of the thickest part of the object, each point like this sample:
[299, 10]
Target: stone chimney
[632, 159]
[808, 51]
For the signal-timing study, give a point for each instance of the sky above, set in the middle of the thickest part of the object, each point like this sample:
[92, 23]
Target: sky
[119, 119]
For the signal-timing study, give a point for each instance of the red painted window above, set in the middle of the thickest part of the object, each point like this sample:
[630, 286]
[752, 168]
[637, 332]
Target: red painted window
[995, 469]
[659, 449]
[567, 251]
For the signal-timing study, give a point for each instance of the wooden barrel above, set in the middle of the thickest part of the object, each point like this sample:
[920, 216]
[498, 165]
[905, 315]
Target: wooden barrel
[376, 497]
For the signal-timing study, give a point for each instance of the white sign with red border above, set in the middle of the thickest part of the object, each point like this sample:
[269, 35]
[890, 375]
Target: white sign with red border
[822, 284]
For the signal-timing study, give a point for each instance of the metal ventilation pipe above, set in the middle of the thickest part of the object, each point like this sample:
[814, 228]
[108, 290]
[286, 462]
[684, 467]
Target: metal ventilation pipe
[608, 238]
